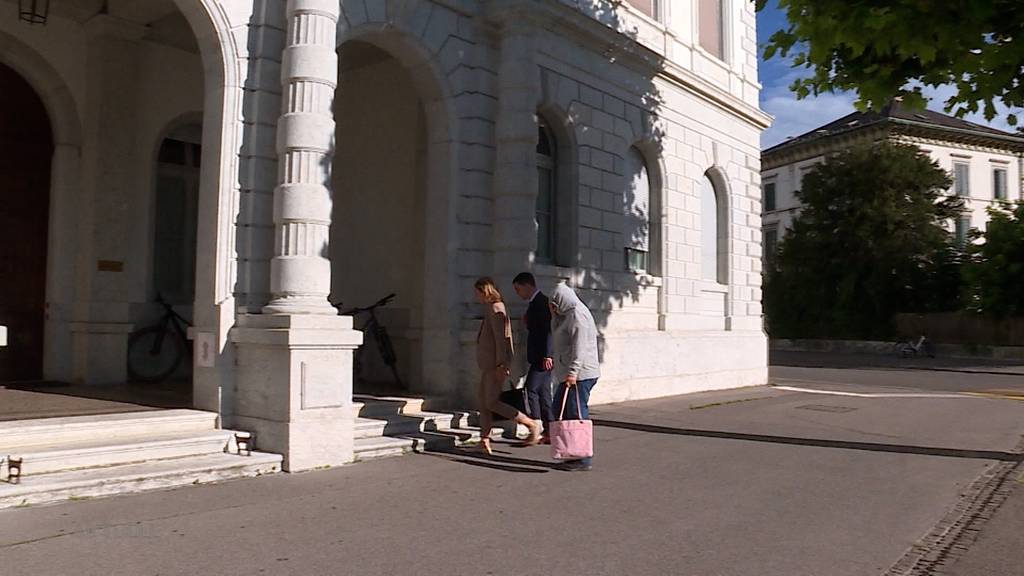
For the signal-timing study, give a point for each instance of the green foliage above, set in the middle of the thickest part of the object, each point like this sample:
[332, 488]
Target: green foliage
[994, 271]
[869, 242]
[886, 49]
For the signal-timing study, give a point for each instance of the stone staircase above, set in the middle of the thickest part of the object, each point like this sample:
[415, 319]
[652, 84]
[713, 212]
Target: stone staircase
[392, 426]
[98, 455]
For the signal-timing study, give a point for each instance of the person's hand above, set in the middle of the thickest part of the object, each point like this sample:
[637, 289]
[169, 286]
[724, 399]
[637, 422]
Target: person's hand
[570, 380]
[502, 372]
[548, 364]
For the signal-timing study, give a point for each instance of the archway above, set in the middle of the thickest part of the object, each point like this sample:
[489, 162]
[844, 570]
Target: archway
[26, 150]
[380, 206]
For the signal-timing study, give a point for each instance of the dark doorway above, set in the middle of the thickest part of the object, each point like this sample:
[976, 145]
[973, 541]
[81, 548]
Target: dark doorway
[26, 148]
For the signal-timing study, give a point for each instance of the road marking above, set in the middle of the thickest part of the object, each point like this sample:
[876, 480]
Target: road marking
[867, 395]
[1012, 396]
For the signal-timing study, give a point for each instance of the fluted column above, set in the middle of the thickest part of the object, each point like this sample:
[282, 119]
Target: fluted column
[300, 273]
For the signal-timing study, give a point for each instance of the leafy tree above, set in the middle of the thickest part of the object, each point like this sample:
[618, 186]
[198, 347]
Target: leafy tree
[882, 49]
[994, 272]
[870, 241]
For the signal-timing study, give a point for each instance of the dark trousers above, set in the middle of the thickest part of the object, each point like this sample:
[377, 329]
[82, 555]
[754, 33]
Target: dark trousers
[571, 409]
[538, 395]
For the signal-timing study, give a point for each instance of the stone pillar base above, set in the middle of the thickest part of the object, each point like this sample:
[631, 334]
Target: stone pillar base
[100, 352]
[293, 386]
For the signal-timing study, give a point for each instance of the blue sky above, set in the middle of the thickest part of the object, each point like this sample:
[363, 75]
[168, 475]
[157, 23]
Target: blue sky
[794, 117]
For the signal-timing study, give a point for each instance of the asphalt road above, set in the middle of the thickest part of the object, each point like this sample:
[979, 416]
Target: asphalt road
[752, 482]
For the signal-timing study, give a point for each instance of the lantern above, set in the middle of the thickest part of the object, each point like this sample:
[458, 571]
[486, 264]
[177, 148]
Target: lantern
[33, 11]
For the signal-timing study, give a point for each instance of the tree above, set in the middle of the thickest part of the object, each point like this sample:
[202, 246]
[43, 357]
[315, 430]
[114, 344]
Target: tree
[893, 48]
[870, 241]
[994, 272]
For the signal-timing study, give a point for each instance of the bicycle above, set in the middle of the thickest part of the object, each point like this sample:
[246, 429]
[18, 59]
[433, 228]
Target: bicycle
[910, 348]
[155, 352]
[380, 337]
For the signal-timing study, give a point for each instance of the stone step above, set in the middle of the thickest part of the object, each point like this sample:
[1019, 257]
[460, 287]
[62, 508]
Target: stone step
[144, 476]
[108, 427]
[382, 406]
[420, 440]
[406, 423]
[46, 458]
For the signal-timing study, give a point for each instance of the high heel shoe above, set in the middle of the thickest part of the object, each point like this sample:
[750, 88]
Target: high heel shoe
[485, 446]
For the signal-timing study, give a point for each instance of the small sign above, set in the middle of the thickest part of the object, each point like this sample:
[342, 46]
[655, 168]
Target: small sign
[110, 265]
[206, 349]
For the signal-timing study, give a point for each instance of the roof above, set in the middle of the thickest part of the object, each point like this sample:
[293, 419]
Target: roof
[896, 113]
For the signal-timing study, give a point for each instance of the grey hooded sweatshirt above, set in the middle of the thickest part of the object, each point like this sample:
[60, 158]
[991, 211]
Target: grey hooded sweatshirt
[574, 337]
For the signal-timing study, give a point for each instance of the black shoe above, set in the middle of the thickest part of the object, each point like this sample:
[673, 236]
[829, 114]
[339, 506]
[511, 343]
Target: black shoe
[576, 466]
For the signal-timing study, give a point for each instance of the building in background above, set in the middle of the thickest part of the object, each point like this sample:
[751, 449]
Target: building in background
[984, 163]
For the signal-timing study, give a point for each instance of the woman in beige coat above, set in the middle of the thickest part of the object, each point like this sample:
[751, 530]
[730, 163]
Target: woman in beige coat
[494, 358]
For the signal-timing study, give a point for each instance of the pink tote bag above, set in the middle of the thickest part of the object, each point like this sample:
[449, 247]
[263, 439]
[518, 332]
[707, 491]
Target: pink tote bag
[571, 439]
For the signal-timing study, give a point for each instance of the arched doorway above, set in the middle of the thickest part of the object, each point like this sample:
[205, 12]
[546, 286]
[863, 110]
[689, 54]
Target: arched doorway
[26, 149]
[380, 205]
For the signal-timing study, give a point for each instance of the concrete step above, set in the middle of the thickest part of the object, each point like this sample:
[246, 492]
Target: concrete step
[68, 430]
[126, 478]
[47, 458]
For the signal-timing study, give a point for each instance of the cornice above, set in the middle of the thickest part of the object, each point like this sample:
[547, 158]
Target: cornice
[603, 39]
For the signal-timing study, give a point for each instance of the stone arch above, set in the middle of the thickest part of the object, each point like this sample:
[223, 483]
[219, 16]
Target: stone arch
[47, 82]
[566, 133]
[218, 193]
[440, 299]
[720, 183]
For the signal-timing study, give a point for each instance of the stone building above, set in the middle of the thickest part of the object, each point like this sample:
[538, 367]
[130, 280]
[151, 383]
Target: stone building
[984, 163]
[253, 161]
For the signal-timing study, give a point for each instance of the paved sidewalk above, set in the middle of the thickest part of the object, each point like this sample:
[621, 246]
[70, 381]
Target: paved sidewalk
[997, 550]
[750, 482]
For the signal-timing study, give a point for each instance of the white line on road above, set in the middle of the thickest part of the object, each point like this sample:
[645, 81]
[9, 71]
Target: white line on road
[866, 395]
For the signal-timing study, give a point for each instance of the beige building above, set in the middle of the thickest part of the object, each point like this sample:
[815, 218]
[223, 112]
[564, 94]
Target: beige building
[252, 162]
[984, 163]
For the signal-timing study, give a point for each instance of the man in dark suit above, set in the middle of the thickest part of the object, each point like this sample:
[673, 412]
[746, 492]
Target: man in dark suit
[538, 349]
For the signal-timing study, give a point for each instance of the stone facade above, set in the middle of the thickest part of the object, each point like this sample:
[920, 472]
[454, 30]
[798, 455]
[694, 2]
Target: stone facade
[480, 76]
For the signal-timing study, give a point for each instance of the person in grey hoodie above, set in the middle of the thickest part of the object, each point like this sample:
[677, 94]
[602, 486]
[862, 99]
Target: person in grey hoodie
[576, 364]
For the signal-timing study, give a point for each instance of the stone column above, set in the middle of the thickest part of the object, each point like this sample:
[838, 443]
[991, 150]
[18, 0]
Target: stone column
[294, 379]
[515, 192]
[300, 273]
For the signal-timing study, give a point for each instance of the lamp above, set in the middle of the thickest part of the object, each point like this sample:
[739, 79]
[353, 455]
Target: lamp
[33, 11]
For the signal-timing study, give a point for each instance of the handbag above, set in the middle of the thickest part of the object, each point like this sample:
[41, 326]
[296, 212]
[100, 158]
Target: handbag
[571, 439]
[514, 397]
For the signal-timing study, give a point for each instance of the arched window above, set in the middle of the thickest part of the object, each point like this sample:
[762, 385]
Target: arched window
[714, 232]
[547, 179]
[637, 198]
[176, 214]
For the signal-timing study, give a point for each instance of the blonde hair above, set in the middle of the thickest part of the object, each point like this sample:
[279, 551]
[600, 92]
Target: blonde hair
[486, 286]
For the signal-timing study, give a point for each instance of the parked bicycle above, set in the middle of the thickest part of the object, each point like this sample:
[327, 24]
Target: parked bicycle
[380, 337]
[155, 352]
[909, 348]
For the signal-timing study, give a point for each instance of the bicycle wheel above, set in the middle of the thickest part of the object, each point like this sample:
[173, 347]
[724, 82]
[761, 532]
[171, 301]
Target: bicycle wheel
[154, 354]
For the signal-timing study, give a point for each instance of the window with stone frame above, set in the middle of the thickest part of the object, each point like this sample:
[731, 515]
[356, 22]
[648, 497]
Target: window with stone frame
[769, 196]
[651, 8]
[962, 230]
[999, 183]
[711, 26]
[961, 179]
[547, 185]
[637, 207]
[714, 232]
